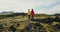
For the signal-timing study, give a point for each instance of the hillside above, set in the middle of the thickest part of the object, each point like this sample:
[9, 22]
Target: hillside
[19, 22]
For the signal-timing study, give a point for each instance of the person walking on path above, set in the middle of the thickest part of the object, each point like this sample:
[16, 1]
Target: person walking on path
[32, 14]
[28, 13]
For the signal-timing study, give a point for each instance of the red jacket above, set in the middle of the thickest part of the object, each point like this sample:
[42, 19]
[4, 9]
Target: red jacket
[32, 12]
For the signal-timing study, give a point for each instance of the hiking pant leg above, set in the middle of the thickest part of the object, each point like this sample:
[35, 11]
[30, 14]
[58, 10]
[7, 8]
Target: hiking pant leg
[28, 16]
[32, 17]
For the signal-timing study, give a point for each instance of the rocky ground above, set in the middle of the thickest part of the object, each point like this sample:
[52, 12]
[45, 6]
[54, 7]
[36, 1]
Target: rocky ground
[22, 24]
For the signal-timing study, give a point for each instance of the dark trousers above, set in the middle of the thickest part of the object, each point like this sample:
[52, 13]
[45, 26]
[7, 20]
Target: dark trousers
[28, 16]
[32, 17]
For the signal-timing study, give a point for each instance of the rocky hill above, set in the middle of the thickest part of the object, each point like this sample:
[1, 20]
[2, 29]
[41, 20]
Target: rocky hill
[19, 22]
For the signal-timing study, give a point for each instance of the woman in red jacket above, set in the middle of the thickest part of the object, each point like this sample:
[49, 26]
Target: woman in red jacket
[32, 14]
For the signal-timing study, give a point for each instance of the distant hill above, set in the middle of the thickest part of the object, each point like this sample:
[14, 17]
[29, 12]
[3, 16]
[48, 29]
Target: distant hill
[6, 13]
[57, 14]
[12, 14]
